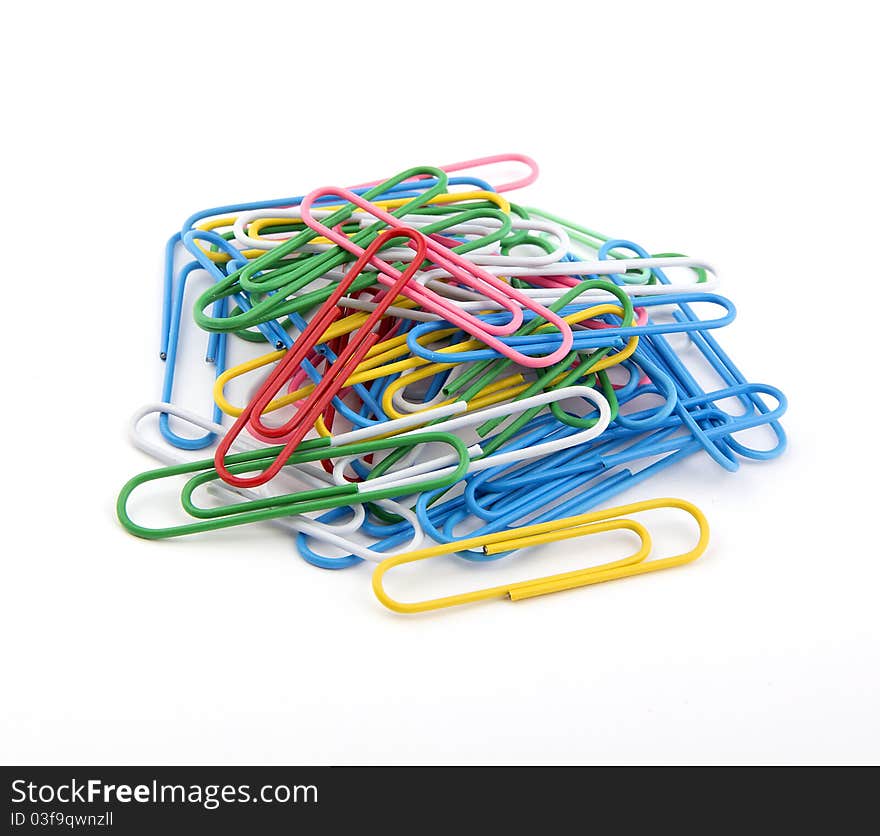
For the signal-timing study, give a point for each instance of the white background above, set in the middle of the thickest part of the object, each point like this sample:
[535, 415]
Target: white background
[747, 136]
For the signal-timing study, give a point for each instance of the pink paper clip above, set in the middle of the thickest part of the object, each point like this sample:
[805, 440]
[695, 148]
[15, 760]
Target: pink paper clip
[479, 162]
[462, 271]
[527, 180]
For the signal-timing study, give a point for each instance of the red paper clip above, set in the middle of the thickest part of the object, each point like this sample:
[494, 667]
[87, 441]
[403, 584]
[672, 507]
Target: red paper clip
[336, 375]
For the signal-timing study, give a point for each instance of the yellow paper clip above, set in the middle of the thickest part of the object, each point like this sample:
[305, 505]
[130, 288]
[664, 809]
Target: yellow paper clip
[595, 522]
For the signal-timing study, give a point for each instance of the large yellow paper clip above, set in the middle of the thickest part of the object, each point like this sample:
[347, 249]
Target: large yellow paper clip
[611, 519]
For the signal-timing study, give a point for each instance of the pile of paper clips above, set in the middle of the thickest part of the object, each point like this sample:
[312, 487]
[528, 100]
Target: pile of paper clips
[445, 366]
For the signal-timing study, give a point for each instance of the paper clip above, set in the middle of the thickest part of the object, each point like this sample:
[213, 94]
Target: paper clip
[335, 534]
[480, 162]
[267, 508]
[170, 345]
[610, 519]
